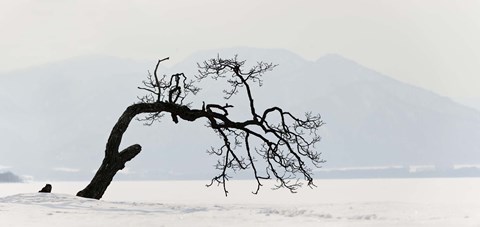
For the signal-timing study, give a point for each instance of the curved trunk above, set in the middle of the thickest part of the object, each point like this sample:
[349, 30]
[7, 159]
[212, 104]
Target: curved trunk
[114, 160]
[110, 166]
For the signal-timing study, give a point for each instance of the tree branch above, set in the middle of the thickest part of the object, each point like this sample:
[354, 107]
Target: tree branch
[283, 145]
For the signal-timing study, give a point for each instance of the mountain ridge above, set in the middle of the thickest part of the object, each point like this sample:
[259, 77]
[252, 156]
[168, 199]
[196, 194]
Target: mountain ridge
[64, 117]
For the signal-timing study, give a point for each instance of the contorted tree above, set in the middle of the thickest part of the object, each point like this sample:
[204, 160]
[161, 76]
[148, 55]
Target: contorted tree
[284, 141]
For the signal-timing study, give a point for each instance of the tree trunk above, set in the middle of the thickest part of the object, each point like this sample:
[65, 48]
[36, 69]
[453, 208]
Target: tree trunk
[104, 176]
[114, 161]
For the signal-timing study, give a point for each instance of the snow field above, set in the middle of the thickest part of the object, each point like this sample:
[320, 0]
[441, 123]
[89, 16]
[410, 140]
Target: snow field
[366, 202]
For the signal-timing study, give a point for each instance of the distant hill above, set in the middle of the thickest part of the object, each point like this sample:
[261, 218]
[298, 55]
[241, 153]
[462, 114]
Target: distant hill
[372, 119]
[9, 177]
[59, 115]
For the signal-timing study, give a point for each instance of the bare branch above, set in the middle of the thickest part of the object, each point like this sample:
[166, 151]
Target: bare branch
[281, 139]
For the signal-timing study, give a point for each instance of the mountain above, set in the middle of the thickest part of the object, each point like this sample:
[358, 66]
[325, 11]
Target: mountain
[393, 123]
[9, 177]
[55, 118]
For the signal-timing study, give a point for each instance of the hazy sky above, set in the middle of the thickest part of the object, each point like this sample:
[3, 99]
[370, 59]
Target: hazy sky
[431, 43]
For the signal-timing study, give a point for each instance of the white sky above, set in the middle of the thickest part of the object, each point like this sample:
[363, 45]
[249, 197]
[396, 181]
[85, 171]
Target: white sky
[434, 44]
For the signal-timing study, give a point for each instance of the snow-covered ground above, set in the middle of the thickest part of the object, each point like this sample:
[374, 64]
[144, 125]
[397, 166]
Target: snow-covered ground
[365, 202]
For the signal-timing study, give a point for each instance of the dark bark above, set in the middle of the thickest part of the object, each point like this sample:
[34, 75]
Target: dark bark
[114, 160]
[110, 166]
[284, 139]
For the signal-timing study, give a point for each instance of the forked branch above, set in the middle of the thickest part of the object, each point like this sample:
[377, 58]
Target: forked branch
[283, 141]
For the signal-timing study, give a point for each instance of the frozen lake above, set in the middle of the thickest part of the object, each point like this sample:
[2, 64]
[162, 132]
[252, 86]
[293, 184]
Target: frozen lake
[359, 202]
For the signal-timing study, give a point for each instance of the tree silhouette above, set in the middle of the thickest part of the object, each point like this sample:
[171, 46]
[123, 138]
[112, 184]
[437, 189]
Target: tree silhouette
[282, 140]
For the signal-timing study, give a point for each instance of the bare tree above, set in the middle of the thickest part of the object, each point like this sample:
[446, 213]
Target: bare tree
[281, 139]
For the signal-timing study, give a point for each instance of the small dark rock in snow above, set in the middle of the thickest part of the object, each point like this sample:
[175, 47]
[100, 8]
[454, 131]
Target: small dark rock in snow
[46, 189]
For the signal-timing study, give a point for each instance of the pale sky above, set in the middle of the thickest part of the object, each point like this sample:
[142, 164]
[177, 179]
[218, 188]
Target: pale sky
[434, 44]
